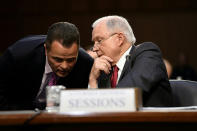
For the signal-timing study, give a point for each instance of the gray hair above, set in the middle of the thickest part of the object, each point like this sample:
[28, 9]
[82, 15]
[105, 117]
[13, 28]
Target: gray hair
[118, 23]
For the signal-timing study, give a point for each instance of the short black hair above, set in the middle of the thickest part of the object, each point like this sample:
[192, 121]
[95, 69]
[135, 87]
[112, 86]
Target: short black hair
[64, 32]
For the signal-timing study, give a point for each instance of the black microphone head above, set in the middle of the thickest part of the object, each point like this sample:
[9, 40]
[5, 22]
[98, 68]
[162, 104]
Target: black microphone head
[128, 57]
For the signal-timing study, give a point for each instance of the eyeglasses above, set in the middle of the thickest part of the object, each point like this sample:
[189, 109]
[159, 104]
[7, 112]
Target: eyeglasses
[100, 41]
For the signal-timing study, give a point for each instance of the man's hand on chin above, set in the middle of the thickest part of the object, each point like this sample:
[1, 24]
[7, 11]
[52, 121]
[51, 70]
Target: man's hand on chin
[102, 63]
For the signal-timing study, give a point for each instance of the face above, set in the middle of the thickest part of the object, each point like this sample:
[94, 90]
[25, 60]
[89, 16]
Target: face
[62, 59]
[105, 42]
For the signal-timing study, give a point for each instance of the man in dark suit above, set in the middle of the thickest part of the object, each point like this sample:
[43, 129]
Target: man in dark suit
[133, 66]
[29, 65]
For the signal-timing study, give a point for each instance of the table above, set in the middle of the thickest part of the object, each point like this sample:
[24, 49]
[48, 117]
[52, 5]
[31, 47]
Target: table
[139, 120]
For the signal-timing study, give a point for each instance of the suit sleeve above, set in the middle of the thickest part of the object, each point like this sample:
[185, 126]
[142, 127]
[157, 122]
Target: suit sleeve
[7, 75]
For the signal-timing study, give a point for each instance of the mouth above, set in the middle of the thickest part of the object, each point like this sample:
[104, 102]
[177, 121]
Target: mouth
[99, 54]
[63, 72]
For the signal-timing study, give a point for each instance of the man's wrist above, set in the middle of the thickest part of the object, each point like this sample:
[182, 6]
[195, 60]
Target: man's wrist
[93, 83]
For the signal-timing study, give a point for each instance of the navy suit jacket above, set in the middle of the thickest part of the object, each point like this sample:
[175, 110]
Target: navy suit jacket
[144, 68]
[22, 67]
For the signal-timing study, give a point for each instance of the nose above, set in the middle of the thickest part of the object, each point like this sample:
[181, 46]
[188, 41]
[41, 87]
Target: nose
[95, 48]
[64, 65]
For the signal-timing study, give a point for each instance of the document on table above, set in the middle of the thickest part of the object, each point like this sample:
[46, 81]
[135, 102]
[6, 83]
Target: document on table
[169, 108]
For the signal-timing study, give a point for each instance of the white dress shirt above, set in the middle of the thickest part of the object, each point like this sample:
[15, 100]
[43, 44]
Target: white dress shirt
[120, 64]
[46, 71]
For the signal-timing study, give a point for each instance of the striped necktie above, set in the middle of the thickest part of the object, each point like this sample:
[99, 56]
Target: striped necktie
[114, 76]
[53, 79]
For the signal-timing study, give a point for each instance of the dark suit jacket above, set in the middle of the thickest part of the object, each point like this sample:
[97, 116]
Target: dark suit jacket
[144, 68]
[21, 71]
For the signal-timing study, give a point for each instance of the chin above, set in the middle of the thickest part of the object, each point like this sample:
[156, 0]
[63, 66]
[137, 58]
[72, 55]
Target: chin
[62, 75]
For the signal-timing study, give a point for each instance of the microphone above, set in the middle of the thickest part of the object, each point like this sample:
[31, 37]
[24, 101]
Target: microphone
[128, 57]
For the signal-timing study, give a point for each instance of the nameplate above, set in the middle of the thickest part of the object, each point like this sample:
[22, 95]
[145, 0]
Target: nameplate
[100, 100]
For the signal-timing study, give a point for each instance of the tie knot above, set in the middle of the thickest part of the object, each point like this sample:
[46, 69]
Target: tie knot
[52, 79]
[115, 68]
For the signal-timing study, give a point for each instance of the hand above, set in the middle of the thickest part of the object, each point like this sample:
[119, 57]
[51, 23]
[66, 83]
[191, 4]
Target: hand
[93, 54]
[102, 63]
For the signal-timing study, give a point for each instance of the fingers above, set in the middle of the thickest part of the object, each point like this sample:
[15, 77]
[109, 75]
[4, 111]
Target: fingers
[92, 54]
[107, 63]
[107, 58]
[103, 64]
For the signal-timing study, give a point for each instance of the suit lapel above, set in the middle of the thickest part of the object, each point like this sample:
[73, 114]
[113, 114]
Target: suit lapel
[129, 61]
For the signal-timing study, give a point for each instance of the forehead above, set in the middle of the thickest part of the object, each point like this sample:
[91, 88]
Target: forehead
[58, 50]
[100, 30]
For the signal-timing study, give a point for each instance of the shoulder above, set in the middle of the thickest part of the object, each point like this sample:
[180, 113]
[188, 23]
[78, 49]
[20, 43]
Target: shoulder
[147, 46]
[28, 42]
[146, 52]
[84, 56]
[26, 45]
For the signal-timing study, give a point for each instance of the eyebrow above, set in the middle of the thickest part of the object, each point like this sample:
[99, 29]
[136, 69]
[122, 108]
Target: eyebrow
[64, 58]
[98, 37]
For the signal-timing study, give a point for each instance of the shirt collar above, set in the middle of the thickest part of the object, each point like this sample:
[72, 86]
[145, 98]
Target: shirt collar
[47, 67]
[121, 62]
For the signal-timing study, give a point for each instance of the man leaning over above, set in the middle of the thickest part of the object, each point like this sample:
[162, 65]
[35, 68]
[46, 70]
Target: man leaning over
[34, 62]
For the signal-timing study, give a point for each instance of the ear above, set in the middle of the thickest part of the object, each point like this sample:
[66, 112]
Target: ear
[121, 38]
[45, 48]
